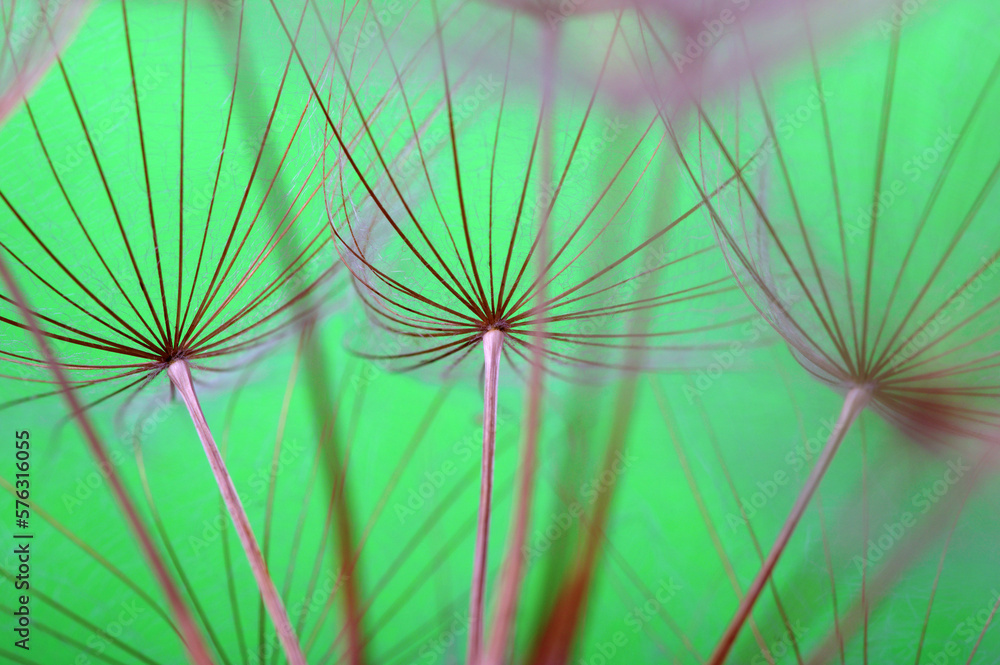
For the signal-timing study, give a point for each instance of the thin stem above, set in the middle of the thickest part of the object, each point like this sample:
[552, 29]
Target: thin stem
[854, 403]
[492, 345]
[180, 375]
[513, 569]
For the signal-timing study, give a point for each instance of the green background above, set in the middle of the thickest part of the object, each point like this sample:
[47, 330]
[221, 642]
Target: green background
[416, 558]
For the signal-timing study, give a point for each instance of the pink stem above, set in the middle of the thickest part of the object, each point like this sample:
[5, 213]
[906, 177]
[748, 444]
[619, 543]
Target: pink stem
[180, 375]
[492, 344]
[854, 403]
[513, 569]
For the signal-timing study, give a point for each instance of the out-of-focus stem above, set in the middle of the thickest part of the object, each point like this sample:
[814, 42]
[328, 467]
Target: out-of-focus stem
[492, 345]
[917, 543]
[854, 403]
[180, 375]
[193, 641]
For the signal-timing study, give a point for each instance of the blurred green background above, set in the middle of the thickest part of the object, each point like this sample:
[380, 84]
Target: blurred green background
[674, 543]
